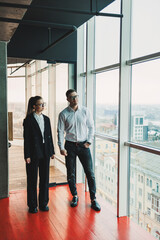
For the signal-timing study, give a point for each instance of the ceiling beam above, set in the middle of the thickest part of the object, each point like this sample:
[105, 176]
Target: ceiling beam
[39, 23]
[45, 49]
[90, 13]
[58, 40]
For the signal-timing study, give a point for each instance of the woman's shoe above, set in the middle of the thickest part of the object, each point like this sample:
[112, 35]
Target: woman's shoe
[44, 209]
[33, 210]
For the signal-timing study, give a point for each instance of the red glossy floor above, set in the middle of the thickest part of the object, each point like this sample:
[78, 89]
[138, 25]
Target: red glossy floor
[64, 222]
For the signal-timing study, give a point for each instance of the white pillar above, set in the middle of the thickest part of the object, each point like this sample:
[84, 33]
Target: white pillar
[90, 78]
[28, 84]
[52, 102]
[52, 96]
[38, 78]
[80, 90]
[124, 111]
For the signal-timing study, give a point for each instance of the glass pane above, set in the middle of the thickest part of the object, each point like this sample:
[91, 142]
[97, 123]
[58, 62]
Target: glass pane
[84, 48]
[33, 90]
[16, 105]
[83, 93]
[45, 89]
[145, 27]
[106, 170]
[44, 64]
[107, 41]
[107, 87]
[33, 67]
[14, 67]
[145, 124]
[61, 88]
[58, 169]
[114, 7]
[144, 190]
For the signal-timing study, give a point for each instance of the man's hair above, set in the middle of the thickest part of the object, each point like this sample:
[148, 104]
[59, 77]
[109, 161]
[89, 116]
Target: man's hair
[69, 92]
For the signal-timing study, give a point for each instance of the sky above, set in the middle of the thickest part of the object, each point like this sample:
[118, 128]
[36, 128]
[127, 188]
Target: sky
[145, 38]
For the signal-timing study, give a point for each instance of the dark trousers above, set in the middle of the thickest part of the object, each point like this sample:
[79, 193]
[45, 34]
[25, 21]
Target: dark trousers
[84, 154]
[32, 174]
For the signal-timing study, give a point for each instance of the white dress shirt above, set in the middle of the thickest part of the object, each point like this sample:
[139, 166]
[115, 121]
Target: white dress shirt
[40, 121]
[78, 126]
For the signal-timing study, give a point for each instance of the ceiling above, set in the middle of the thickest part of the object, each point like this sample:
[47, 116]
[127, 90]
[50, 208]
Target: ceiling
[44, 29]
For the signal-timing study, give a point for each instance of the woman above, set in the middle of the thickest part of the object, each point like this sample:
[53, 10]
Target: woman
[38, 148]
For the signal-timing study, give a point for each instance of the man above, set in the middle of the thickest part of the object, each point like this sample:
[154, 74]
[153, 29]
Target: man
[77, 123]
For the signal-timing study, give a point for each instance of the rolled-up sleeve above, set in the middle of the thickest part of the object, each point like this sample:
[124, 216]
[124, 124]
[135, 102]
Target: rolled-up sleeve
[60, 130]
[90, 125]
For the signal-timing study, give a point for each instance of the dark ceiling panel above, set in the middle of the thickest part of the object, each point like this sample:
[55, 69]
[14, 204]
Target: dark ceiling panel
[29, 40]
[86, 5]
[63, 51]
[69, 4]
[56, 16]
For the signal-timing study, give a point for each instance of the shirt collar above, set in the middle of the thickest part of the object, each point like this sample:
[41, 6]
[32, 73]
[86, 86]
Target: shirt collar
[71, 109]
[37, 115]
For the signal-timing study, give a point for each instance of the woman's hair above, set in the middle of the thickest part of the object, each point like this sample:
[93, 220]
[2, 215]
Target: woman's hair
[32, 101]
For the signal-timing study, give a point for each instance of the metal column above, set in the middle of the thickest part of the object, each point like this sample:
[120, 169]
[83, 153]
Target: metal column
[4, 192]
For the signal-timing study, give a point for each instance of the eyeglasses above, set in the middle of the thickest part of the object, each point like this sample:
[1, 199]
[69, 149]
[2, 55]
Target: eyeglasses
[74, 97]
[41, 104]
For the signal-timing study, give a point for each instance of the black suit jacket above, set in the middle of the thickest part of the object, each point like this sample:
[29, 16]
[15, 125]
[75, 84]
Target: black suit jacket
[33, 140]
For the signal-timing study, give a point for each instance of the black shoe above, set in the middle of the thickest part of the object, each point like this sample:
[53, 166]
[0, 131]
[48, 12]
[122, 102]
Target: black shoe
[95, 205]
[74, 201]
[44, 209]
[33, 210]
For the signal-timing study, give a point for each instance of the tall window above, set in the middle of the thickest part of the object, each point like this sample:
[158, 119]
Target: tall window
[145, 125]
[140, 71]
[107, 85]
[145, 113]
[16, 105]
[106, 170]
[107, 36]
[61, 88]
[16, 102]
[45, 89]
[145, 30]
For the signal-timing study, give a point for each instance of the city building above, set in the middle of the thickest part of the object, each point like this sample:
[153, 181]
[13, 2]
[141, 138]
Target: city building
[139, 129]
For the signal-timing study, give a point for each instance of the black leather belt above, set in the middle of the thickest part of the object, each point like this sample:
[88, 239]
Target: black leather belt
[76, 143]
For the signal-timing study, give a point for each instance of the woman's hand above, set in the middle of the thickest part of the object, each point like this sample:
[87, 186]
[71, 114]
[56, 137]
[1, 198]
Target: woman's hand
[28, 160]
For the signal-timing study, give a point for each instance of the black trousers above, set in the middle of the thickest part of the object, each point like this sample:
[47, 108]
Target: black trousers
[32, 174]
[84, 154]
